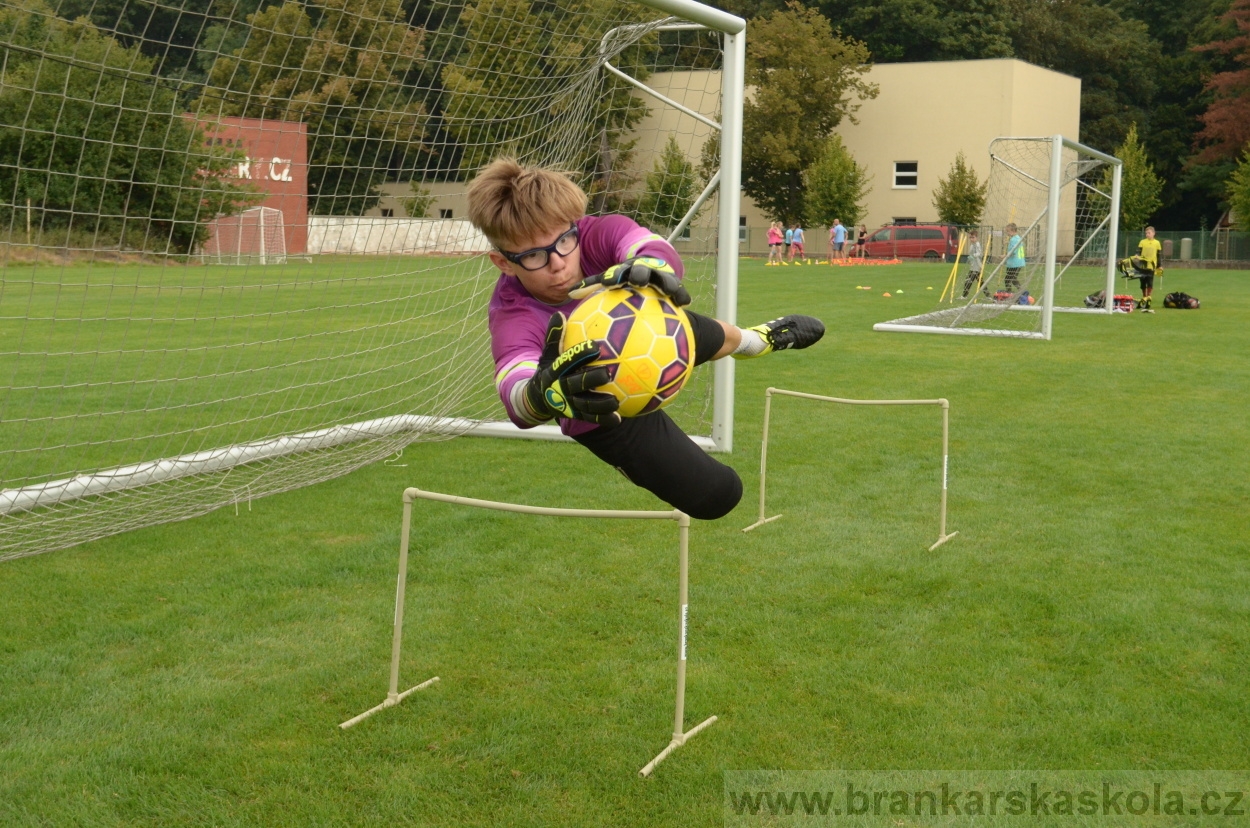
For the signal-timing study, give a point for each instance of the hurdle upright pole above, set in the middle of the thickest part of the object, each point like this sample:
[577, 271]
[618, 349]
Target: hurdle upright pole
[680, 734]
[946, 427]
[393, 696]
[768, 409]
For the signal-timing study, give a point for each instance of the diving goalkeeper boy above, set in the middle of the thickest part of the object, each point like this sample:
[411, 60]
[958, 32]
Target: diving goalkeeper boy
[547, 248]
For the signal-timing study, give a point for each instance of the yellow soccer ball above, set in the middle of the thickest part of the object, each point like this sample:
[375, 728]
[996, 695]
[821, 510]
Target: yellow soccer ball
[645, 341]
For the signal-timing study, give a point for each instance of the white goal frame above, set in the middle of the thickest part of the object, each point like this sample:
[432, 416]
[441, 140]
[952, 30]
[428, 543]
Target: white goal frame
[65, 487]
[728, 180]
[1053, 271]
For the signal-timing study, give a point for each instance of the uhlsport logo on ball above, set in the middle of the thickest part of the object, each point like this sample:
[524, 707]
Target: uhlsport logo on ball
[645, 341]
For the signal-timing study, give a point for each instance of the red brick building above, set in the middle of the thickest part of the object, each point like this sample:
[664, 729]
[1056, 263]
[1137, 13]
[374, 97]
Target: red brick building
[276, 164]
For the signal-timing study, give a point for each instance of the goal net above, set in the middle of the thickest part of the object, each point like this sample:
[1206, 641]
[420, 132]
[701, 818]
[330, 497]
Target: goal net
[324, 148]
[1050, 219]
[254, 236]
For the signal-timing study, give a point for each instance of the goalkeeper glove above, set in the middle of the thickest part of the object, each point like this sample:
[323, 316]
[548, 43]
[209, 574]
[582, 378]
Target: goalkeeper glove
[637, 272]
[564, 387]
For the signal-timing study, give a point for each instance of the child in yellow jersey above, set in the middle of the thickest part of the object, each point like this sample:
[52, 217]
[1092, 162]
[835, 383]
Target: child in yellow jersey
[1148, 250]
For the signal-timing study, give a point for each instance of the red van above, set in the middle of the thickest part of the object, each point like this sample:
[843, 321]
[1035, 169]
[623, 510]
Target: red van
[914, 241]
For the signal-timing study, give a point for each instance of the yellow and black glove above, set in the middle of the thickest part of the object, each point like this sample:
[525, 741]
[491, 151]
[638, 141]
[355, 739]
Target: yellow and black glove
[637, 272]
[564, 386]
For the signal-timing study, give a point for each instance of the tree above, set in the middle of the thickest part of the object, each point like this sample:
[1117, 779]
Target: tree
[835, 186]
[1192, 190]
[96, 147]
[670, 189]
[920, 30]
[804, 78]
[1239, 188]
[345, 78]
[960, 197]
[508, 90]
[418, 204]
[1226, 123]
[1114, 57]
[1139, 185]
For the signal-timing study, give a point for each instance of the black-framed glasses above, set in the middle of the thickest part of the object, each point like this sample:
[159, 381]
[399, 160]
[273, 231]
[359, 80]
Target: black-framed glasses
[537, 258]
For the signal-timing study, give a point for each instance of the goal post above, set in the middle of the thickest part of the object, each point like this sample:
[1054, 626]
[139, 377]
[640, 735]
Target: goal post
[143, 387]
[1049, 232]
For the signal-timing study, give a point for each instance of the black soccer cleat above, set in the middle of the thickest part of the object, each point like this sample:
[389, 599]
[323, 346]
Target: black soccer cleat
[788, 332]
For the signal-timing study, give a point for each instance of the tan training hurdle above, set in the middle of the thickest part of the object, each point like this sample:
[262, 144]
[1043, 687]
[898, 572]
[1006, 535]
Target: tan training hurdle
[394, 697]
[768, 405]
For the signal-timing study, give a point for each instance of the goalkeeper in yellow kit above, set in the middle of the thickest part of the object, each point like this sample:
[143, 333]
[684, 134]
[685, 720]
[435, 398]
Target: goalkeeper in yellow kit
[1148, 251]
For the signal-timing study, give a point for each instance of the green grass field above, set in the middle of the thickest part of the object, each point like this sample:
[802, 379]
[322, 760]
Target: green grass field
[1093, 612]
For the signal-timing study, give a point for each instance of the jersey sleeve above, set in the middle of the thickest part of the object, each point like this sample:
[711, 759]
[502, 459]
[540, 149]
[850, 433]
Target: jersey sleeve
[609, 240]
[517, 334]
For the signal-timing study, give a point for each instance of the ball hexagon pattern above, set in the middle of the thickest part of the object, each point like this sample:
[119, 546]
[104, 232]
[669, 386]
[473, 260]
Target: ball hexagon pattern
[644, 340]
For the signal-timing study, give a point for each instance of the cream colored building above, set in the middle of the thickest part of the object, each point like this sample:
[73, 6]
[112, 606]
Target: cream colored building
[907, 137]
[926, 113]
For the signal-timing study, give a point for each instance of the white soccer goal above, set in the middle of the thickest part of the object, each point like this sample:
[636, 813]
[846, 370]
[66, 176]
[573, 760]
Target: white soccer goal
[141, 386]
[255, 236]
[1063, 200]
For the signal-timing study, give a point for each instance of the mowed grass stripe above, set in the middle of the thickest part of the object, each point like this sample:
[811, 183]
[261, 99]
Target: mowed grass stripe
[1091, 613]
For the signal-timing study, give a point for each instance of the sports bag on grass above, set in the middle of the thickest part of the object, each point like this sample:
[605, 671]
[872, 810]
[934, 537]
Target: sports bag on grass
[1181, 300]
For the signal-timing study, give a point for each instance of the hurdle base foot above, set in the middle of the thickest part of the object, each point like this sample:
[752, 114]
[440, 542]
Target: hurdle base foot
[677, 742]
[392, 699]
[761, 522]
[942, 540]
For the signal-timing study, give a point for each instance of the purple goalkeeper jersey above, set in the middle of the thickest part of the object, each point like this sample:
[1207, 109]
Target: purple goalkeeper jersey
[518, 321]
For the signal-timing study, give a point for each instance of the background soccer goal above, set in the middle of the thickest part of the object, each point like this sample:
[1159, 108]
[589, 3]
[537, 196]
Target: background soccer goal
[1064, 199]
[322, 149]
[255, 236]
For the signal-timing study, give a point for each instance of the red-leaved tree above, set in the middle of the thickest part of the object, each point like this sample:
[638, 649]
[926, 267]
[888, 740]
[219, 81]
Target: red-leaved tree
[1226, 123]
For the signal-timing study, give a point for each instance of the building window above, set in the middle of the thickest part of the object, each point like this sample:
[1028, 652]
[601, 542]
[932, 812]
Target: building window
[742, 229]
[445, 214]
[387, 212]
[905, 220]
[684, 235]
[906, 175]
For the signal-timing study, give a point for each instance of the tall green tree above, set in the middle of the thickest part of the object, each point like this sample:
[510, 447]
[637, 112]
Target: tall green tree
[97, 147]
[343, 76]
[805, 80]
[1139, 184]
[923, 30]
[834, 186]
[1192, 189]
[509, 90]
[1114, 57]
[670, 191]
[960, 196]
[1239, 188]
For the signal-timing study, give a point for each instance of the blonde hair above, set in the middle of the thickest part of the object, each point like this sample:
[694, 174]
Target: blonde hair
[511, 203]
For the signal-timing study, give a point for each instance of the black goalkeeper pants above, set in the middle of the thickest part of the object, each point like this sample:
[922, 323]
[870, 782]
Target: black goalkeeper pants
[658, 456]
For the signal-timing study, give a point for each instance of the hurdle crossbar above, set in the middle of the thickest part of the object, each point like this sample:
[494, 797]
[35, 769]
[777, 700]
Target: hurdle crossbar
[394, 697]
[943, 537]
